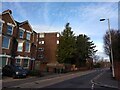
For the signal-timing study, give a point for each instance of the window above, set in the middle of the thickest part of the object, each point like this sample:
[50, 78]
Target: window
[41, 35]
[21, 33]
[41, 42]
[18, 62]
[41, 56]
[57, 41]
[5, 43]
[41, 49]
[0, 27]
[28, 36]
[3, 62]
[25, 63]
[9, 30]
[27, 49]
[20, 46]
[58, 35]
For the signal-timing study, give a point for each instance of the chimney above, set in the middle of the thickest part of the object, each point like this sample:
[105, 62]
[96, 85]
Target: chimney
[7, 11]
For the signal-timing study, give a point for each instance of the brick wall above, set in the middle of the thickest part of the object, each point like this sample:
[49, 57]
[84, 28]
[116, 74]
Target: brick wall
[117, 70]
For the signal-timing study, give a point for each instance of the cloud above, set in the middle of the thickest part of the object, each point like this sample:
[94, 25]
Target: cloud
[22, 12]
[102, 54]
[45, 12]
[45, 28]
[83, 18]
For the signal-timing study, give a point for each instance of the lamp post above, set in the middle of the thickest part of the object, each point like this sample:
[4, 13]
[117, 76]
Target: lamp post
[110, 38]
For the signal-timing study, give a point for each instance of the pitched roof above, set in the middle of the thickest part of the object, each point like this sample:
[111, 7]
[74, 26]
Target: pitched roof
[24, 22]
[10, 14]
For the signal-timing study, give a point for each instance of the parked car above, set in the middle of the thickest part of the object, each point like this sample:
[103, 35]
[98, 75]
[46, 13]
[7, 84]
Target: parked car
[14, 71]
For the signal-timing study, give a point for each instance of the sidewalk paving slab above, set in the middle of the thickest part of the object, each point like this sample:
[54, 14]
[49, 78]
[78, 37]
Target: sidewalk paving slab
[106, 80]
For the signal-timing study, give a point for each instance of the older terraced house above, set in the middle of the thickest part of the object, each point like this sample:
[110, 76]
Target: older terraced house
[21, 45]
[18, 41]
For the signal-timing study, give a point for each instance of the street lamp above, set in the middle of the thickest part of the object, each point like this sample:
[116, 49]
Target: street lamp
[111, 52]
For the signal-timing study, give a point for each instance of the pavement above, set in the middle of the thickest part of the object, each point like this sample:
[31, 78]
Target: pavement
[38, 82]
[105, 79]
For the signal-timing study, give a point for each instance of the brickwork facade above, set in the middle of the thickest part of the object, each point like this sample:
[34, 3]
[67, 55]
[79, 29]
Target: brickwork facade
[21, 45]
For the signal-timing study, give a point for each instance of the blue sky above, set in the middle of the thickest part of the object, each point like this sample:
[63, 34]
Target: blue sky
[83, 17]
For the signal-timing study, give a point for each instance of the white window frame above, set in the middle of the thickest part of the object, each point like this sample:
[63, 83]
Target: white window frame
[41, 49]
[22, 30]
[17, 62]
[29, 46]
[10, 24]
[58, 41]
[7, 61]
[12, 28]
[58, 35]
[41, 42]
[41, 35]
[1, 25]
[18, 45]
[8, 42]
[27, 32]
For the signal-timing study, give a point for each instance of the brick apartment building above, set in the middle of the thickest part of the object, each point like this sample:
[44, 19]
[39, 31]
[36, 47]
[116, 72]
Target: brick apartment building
[21, 45]
[47, 48]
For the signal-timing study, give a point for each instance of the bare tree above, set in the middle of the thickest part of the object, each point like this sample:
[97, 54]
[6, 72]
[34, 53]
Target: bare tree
[115, 45]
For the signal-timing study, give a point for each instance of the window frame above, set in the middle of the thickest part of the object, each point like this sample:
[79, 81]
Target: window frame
[58, 35]
[41, 49]
[27, 63]
[21, 47]
[23, 30]
[27, 32]
[1, 25]
[41, 35]
[8, 29]
[28, 46]
[58, 42]
[17, 62]
[42, 42]
[5, 41]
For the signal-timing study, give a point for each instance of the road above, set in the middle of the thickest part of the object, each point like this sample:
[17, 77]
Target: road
[72, 80]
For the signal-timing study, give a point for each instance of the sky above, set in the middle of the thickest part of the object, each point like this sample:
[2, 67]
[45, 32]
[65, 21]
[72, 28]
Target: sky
[83, 17]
